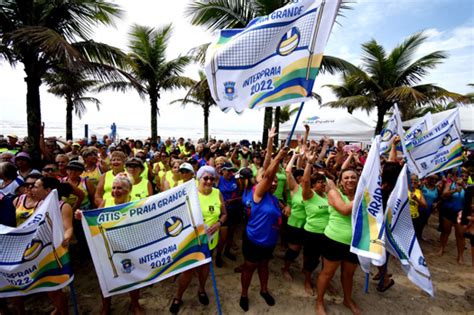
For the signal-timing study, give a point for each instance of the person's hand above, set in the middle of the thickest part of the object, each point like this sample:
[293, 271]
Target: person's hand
[396, 140]
[78, 214]
[282, 153]
[214, 228]
[306, 127]
[65, 242]
[272, 132]
[286, 211]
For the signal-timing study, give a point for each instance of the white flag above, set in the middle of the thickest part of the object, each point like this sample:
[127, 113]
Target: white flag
[274, 60]
[400, 235]
[420, 127]
[393, 128]
[437, 149]
[367, 213]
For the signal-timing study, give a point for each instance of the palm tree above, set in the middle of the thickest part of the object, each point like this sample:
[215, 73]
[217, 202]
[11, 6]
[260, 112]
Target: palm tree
[199, 94]
[349, 95]
[218, 14]
[38, 32]
[72, 85]
[384, 80]
[148, 66]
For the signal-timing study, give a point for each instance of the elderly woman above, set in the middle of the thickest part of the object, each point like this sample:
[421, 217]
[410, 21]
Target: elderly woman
[104, 187]
[214, 214]
[41, 188]
[172, 178]
[10, 181]
[142, 187]
[121, 189]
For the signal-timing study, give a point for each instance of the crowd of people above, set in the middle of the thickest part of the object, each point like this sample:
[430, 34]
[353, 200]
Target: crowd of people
[301, 198]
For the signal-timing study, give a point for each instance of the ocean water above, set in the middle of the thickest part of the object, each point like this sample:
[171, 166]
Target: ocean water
[58, 129]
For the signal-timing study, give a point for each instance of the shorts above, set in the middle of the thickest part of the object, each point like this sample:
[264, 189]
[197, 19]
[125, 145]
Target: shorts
[295, 235]
[255, 253]
[470, 237]
[450, 215]
[336, 251]
[233, 216]
[313, 249]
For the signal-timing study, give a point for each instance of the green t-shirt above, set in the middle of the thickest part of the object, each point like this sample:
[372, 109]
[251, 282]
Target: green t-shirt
[298, 215]
[339, 227]
[211, 212]
[281, 176]
[317, 214]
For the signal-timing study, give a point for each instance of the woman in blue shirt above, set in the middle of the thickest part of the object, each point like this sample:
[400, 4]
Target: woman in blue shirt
[261, 233]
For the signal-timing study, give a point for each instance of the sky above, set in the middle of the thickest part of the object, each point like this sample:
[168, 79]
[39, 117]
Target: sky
[449, 24]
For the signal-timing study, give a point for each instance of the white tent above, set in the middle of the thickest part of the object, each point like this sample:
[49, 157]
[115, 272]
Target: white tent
[466, 115]
[333, 123]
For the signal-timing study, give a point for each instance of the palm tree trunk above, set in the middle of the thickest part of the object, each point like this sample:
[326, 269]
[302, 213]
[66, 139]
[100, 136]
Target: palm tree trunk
[33, 111]
[267, 124]
[380, 116]
[206, 122]
[277, 125]
[153, 115]
[69, 109]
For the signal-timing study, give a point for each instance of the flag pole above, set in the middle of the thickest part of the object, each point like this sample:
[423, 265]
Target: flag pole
[214, 286]
[294, 124]
[366, 288]
[73, 298]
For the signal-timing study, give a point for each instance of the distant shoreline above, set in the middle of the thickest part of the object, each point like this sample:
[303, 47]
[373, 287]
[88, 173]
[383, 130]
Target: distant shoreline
[57, 129]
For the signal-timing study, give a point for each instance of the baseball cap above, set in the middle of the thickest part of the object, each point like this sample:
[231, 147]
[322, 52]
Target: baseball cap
[76, 144]
[245, 173]
[186, 167]
[75, 165]
[13, 136]
[23, 155]
[227, 166]
[134, 162]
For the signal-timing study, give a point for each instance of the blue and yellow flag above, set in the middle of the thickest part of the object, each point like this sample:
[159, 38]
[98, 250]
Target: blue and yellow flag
[401, 241]
[367, 212]
[274, 60]
[437, 149]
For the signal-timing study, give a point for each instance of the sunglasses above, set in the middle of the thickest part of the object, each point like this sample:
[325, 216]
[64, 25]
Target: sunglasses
[28, 185]
[209, 178]
[48, 170]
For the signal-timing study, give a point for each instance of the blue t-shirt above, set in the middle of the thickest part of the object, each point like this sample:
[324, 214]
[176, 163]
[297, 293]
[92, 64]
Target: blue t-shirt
[264, 221]
[229, 190]
[430, 196]
[456, 202]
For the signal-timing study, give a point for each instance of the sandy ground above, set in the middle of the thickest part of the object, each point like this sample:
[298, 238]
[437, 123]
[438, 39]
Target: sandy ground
[453, 284]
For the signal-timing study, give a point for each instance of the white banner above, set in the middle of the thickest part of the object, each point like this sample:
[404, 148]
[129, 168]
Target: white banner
[400, 235]
[139, 243]
[393, 128]
[419, 128]
[367, 213]
[32, 258]
[274, 60]
[437, 149]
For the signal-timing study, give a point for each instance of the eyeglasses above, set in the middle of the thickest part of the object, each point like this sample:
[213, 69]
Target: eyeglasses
[207, 178]
[48, 169]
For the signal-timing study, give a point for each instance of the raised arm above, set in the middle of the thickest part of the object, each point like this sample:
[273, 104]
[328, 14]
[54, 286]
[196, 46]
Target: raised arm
[306, 182]
[269, 174]
[268, 155]
[335, 200]
[292, 184]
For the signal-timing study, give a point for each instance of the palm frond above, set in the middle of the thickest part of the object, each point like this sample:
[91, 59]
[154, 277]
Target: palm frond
[218, 14]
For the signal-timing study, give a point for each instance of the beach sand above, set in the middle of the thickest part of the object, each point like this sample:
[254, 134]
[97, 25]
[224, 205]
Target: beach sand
[453, 285]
